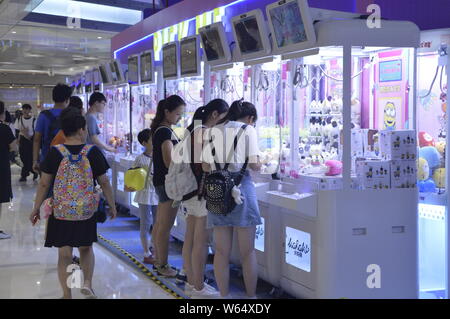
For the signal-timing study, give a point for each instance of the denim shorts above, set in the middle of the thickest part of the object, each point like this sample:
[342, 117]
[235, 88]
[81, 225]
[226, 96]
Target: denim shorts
[162, 195]
[244, 215]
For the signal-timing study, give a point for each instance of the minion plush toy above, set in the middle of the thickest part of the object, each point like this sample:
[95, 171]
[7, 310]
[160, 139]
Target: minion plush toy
[439, 178]
[425, 183]
[390, 114]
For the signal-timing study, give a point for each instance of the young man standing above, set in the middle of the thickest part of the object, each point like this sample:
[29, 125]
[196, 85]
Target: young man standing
[47, 124]
[26, 125]
[97, 103]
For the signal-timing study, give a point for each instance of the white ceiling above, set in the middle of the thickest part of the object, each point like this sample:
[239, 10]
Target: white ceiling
[32, 47]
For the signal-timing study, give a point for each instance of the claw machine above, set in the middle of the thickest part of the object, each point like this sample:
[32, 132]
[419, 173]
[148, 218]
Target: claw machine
[190, 86]
[227, 80]
[146, 90]
[348, 170]
[432, 125]
[261, 85]
[88, 89]
[117, 127]
[80, 88]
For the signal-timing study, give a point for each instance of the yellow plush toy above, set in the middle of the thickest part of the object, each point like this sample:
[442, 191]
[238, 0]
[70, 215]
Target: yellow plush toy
[423, 170]
[440, 146]
[439, 177]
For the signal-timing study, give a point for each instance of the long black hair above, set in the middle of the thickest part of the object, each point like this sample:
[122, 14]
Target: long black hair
[240, 109]
[202, 113]
[170, 104]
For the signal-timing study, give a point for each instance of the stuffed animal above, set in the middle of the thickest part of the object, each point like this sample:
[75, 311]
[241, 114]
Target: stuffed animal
[427, 186]
[315, 163]
[423, 170]
[440, 146]
[334, 168]
[315, 126]
[425, 139]
[326, 106]
[356, 112]
[431, 155]
[439, 177]
[315, 107]
[336, 106]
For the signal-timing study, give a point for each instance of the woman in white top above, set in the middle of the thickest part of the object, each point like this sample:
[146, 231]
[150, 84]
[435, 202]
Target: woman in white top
[245, 217]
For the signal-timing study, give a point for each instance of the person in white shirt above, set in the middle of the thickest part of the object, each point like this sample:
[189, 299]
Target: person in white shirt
[26, 125]
[146, 198]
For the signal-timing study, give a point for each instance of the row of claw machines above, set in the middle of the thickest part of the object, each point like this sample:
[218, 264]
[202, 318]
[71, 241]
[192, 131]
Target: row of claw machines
[352, 190]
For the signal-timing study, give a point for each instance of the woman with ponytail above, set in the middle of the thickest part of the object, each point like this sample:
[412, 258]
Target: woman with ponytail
[245, 216]
[168, 113]
[196, 238]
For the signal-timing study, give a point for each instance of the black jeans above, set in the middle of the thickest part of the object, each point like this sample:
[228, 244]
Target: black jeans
[26, 156]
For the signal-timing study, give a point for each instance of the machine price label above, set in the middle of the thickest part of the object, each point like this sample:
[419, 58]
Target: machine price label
[390, 88]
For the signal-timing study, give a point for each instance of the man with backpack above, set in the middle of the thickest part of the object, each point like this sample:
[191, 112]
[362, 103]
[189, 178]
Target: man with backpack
[47, 124]
[25, 125]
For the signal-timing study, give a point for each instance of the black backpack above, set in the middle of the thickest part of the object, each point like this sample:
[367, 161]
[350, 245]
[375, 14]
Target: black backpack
[53, 129]
[219, 184]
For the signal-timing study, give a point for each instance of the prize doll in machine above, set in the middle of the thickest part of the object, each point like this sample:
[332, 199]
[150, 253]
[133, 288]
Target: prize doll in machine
[317, 96]
[121, 141]
[266, 82]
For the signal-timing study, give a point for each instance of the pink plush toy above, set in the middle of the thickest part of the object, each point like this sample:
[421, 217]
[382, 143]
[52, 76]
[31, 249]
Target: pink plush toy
[334, 167]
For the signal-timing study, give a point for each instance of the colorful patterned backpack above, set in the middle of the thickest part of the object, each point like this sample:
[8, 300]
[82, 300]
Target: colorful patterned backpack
[74, 197]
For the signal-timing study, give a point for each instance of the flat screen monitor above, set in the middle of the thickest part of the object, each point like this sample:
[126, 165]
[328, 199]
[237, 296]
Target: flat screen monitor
[190, 57]
[170, 61]
[116, 72]
[291, 26]
[133, 69]
[88, 82]
[250, 32]
[146, 67]
[105, 74]
[215, 44]
[97, 79]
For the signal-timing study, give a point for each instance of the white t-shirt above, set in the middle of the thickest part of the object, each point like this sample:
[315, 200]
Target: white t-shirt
[27, 124]
[223, 136]
[147, 196]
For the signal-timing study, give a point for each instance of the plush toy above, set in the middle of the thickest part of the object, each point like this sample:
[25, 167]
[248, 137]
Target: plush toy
[326, 106]
[315, 126]
[440, 146]
[425, 139]
[427, 186]
[356, 112]
[334, 168]
[315, 107]
[315, 163]
[439, 177]
[431, 155]
[336, 106]
[423, 170]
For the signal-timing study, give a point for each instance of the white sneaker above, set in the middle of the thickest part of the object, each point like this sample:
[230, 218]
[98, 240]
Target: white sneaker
[205, 293]
[188, 289]
[88, 293]
[4, 235]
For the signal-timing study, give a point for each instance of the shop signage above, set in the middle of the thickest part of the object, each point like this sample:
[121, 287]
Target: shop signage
[259, 238]
[298, 249]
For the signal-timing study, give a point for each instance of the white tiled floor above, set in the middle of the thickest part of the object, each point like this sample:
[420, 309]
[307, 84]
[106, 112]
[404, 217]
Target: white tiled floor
[28, 270]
